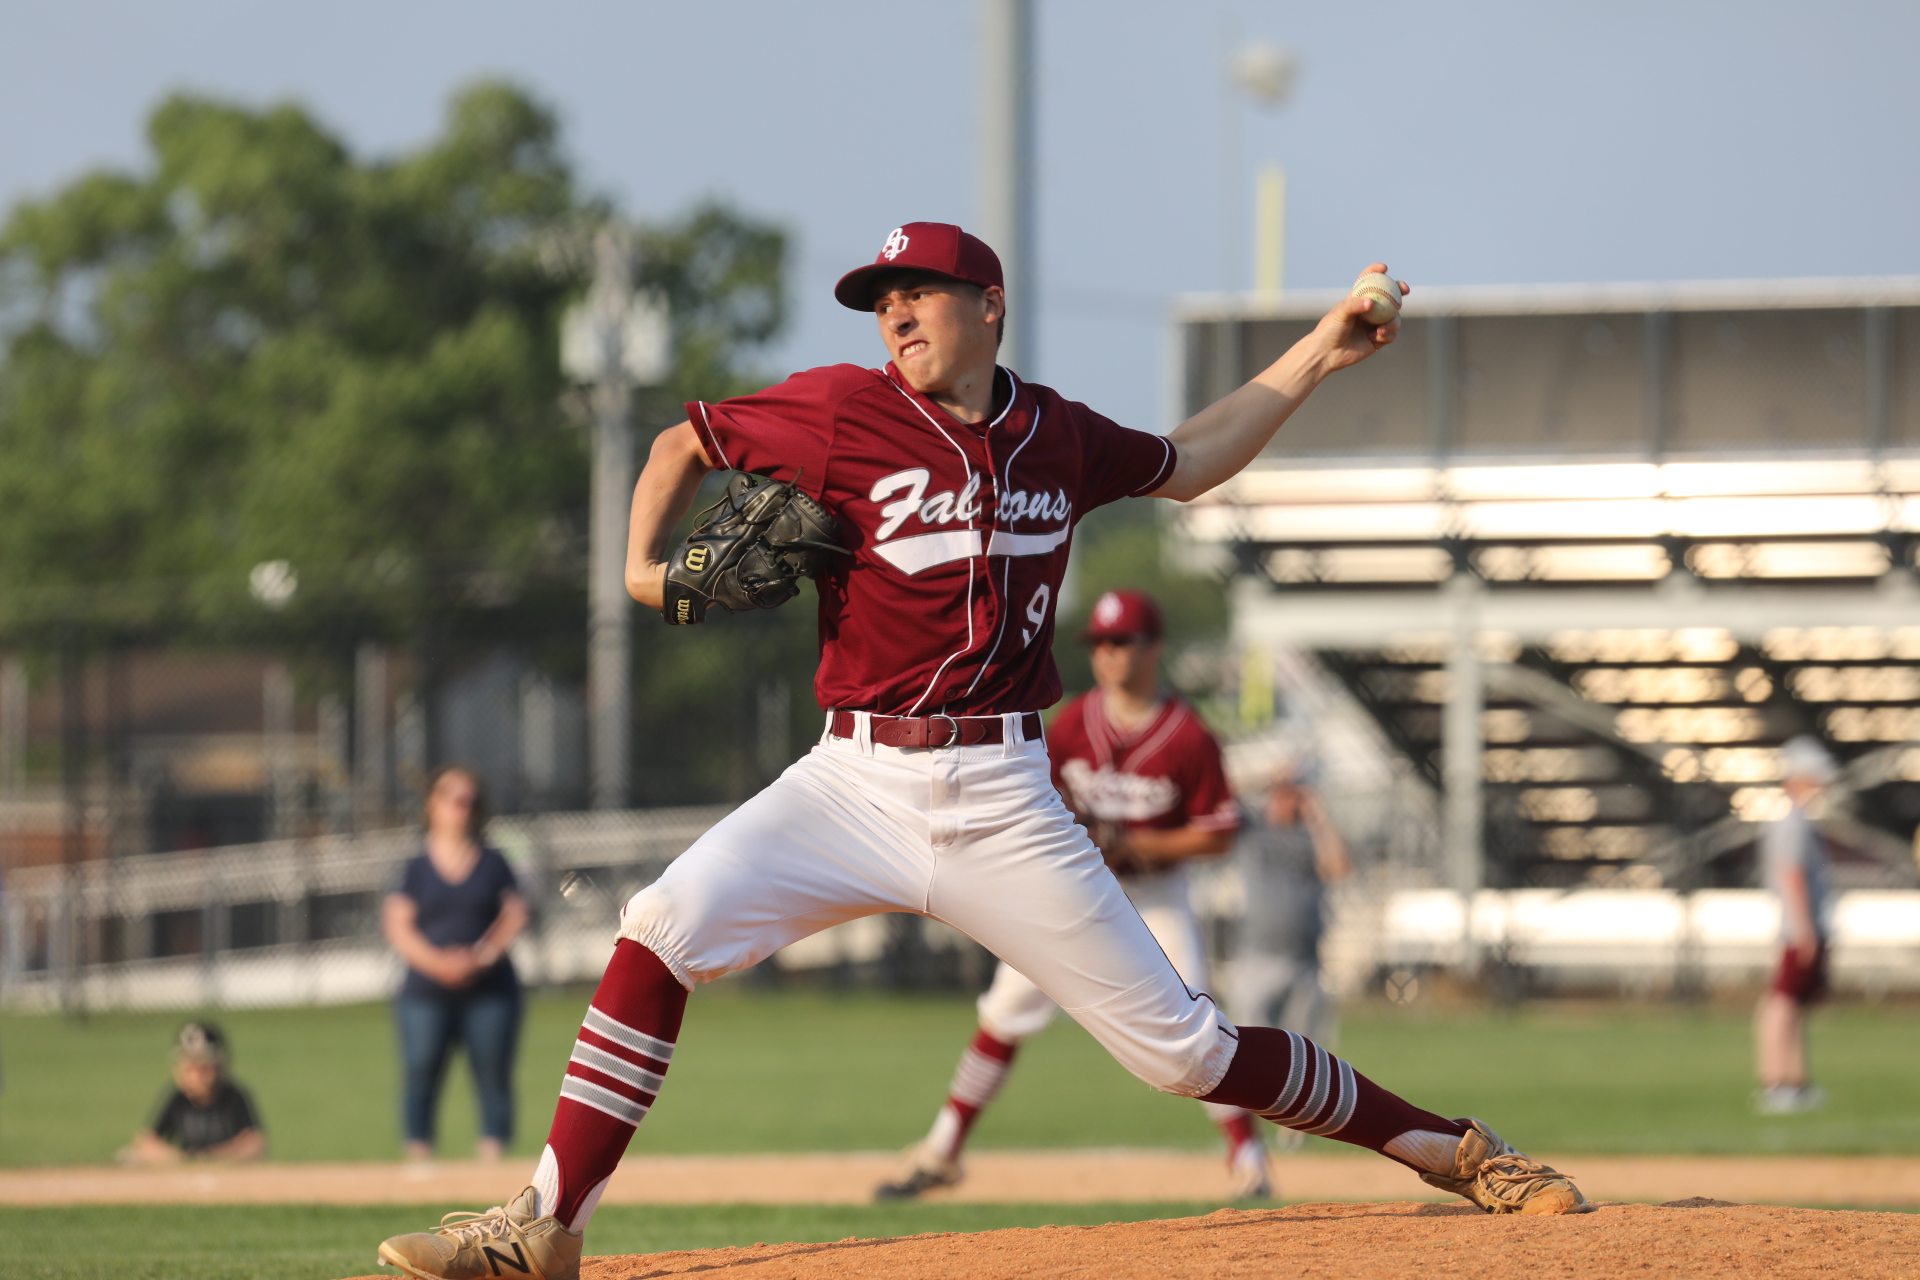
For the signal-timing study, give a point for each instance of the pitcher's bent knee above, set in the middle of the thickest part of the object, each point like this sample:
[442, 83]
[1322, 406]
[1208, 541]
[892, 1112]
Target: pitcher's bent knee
[647, 918]
[1182, 1048]
[696, 933]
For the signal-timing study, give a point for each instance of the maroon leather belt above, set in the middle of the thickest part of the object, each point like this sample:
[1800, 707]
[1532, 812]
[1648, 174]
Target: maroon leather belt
[937, 731]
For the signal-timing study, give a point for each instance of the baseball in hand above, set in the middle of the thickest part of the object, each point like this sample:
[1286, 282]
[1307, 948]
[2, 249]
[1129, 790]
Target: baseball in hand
[1382, 293]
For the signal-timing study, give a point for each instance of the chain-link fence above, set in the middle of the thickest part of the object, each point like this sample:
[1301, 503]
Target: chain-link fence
[297, 922]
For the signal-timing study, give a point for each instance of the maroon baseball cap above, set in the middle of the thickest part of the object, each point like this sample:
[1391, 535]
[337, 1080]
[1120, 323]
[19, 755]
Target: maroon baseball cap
[1120, 615]
[938, 247]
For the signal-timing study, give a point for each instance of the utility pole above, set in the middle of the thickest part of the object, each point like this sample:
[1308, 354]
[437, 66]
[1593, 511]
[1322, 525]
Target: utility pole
[1007, 166]
[1265, 74]
[1270, 233]
[615, 341]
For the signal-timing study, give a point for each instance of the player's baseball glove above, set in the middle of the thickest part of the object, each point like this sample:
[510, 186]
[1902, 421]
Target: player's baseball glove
[749, 550]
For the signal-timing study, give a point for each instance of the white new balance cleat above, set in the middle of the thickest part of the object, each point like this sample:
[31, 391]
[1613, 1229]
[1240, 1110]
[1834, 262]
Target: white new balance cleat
[513, 1241]
[926, 1172]
[1251, 1172]
[1500, 1180]
[1789, 1099]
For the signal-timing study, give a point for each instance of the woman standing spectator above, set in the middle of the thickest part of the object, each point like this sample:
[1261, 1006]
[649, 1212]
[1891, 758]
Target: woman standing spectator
[451, 917]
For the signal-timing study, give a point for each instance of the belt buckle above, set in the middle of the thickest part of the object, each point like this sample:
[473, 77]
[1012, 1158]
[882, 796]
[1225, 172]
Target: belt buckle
[952, 741]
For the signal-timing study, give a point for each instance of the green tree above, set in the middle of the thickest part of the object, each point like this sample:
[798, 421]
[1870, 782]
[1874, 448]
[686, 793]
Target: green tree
[262, 348]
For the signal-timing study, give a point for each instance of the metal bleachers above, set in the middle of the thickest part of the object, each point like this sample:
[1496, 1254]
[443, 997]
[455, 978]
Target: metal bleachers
[1588, 554]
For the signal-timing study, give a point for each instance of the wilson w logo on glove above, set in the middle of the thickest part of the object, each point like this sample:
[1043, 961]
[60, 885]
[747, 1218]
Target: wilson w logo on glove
[749, 551]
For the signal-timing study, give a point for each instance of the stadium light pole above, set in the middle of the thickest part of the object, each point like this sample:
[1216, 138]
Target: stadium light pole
[610, 637]
[1007, 166]
[1265, 74]
[615, 340]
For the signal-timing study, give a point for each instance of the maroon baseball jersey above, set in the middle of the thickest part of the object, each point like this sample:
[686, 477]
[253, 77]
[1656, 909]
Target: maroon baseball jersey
[1164, 772]
[959, 532]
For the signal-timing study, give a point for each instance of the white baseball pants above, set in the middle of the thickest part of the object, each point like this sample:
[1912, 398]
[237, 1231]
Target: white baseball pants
[1014, 1007]
[974, 836]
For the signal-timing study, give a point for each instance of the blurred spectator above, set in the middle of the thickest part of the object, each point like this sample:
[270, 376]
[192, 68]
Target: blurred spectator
[1286, 856]
[206, 1115]
[451, 917]
[1793, 856]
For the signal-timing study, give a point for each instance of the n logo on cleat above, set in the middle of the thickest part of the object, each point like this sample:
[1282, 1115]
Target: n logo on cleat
[518, 1261]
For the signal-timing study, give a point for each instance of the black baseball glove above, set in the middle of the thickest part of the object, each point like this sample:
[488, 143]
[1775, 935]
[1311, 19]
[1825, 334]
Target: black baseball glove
[749, 551]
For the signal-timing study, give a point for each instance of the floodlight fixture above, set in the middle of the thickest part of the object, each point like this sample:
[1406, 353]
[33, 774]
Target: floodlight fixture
[1266, 72]
[273, 583]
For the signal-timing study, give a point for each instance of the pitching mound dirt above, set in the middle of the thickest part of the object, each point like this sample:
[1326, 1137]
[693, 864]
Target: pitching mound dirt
[1686, 1239]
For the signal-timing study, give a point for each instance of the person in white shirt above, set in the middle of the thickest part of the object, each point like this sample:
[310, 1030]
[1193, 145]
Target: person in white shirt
[1793, 858]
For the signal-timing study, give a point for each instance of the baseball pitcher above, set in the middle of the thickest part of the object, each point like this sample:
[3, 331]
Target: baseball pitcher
[933, 503]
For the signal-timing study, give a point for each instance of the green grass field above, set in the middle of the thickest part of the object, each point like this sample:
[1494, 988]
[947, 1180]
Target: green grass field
[762, 1071]
[295, 1242]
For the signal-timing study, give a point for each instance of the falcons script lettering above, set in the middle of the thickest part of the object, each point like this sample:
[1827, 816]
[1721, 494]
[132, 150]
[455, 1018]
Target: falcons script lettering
[910, 501]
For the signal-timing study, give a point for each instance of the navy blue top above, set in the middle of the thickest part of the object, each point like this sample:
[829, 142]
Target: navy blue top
[458, 915]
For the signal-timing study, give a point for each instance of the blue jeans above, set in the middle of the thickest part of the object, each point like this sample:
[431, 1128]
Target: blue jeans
[430, 1026]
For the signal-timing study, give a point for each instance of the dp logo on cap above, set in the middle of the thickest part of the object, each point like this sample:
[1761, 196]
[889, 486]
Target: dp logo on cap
[895, 246]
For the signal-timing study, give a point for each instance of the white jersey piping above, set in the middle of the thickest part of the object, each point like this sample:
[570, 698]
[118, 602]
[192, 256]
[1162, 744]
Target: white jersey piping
[1150, 745]
[1001, 482]
[1167, 445]
[706, 421]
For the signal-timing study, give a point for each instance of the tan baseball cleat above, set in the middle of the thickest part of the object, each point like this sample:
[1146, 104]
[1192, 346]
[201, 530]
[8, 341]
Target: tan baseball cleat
[1500, 1180]
[513, 1241]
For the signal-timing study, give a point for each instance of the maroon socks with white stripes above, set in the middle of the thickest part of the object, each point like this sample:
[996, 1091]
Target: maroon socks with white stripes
[983, 1069]
[612, 1078]
[1293, 1082]
[627, 1038]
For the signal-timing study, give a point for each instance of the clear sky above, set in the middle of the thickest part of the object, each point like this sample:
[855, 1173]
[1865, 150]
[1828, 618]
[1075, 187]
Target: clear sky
[1460, 142]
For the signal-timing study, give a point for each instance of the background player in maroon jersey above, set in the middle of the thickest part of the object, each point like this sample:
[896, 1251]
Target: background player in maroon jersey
[1143, 775]
[956, 487]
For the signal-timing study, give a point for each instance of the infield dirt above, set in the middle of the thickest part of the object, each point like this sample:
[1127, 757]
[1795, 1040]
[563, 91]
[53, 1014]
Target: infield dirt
[1391, 1241]
[1003, 1177]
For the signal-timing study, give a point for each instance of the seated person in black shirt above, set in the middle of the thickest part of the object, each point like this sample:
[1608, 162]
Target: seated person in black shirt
[205, 1115]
